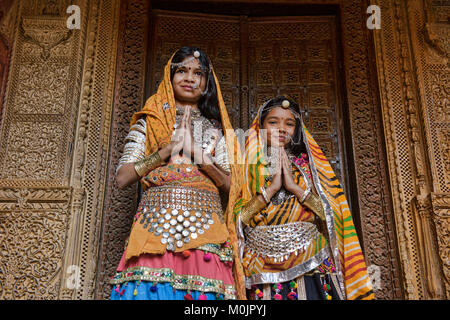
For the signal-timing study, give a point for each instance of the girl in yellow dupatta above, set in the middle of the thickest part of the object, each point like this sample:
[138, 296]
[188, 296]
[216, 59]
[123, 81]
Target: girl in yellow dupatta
[183, 239]
[297, 238]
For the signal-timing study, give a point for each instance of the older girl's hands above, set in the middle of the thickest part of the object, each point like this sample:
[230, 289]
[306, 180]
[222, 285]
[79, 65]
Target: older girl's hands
[173, 149]
[277, 182]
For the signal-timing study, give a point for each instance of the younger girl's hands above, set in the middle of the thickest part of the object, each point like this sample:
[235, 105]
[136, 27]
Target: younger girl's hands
[288, 180]
[277, 182]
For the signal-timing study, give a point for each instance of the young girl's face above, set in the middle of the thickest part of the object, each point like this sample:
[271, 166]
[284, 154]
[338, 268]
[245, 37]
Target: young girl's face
[280, 126]
[189, 81]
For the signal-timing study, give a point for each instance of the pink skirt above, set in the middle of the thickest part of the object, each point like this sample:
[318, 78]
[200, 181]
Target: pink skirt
[197, 271]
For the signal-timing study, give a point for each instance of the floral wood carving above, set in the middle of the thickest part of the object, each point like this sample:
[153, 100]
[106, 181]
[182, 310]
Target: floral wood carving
[441, 210]
[47, 33]
[119, 205]
[33, 227]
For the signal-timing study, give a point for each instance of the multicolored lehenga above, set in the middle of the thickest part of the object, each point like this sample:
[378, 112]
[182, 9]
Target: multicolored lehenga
[183, 239]
[287, 251]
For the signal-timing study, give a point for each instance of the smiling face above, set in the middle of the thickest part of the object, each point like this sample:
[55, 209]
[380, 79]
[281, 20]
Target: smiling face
[280, 125]
[188, 82]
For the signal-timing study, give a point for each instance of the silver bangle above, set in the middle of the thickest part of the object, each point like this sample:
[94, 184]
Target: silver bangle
[305, 195]
[264, 194]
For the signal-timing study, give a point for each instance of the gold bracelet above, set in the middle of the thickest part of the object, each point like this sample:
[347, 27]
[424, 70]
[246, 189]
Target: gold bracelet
[314, 203]
[251, 208]
[146, 165]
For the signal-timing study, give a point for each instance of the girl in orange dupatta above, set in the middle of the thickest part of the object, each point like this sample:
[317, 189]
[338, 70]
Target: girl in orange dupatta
[183, 239]
[297, 238]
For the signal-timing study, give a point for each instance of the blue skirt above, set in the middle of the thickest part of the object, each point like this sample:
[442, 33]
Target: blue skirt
[162, 291]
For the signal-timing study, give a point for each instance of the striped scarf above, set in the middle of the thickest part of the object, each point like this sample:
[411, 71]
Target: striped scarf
[343, 240]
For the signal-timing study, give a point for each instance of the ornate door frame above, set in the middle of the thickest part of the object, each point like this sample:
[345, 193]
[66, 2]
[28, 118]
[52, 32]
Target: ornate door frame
[72, 213]
[365, 119]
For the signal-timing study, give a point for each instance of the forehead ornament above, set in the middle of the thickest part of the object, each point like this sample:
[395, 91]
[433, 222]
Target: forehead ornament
[285, 104]
[196, 54]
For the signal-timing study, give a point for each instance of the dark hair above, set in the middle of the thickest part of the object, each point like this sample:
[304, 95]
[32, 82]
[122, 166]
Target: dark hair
[297, 145]
[207, 104]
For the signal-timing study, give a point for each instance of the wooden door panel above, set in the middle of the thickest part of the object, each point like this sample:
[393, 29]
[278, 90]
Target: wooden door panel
[298, 57]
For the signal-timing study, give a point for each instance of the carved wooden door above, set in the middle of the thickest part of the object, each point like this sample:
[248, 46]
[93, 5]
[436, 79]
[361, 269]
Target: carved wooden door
[256, 59]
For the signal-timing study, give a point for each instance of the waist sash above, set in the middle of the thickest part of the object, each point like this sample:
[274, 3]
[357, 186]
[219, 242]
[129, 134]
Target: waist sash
[179, 214]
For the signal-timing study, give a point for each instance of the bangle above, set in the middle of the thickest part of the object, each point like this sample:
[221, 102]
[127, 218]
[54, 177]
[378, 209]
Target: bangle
[264, 194]
[305, 195]
[314, 203]
[145, 165]
[250, 209]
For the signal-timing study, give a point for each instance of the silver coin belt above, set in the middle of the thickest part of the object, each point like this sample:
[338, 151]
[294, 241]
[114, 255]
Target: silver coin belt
[280, 241]
[179, 214]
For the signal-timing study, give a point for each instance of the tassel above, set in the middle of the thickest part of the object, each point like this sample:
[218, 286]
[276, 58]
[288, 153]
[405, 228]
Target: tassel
[154, 288]
[135, 292]
[117, 289]
[292, 295]
[277, 287]
[202, 297]
[259, 293]
[207, 257]
[188, 296]
[186, 254]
